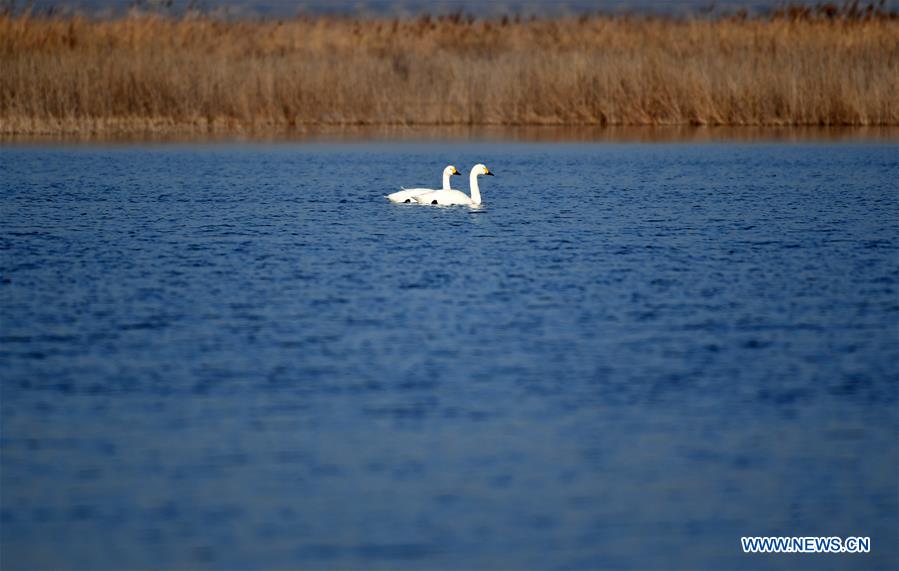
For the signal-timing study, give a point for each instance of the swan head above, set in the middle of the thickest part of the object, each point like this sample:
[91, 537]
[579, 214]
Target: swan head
[481, 169]
[450, 171]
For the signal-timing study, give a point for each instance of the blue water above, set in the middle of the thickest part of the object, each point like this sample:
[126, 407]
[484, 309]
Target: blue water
[240, 356]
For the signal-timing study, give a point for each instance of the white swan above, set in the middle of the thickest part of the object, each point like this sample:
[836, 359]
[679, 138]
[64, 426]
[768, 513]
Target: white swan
[447, 197]
[407, 194]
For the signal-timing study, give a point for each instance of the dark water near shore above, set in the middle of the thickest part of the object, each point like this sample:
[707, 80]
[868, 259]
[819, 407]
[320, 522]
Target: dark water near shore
[241, 356]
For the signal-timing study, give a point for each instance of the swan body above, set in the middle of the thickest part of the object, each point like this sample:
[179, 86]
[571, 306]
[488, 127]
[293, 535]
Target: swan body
[444, 198]
[408, 194]
[450, 197]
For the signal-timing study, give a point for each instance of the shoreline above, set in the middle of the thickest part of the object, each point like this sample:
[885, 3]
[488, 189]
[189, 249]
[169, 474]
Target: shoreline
[487, 134]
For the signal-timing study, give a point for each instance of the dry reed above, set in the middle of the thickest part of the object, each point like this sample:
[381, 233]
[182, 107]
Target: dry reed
[151, 73]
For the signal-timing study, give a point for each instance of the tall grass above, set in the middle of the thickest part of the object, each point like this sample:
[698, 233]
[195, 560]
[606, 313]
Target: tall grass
[154, 73]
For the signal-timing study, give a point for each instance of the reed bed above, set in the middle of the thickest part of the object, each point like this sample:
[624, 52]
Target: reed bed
[156, 74]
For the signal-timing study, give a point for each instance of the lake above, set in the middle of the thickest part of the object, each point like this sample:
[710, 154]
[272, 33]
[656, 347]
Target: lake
[240, 355]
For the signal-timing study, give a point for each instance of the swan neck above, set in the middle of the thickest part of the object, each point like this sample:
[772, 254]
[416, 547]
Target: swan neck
[475, 191]
[446, 181]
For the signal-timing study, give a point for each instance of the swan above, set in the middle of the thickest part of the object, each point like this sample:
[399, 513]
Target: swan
[407, 194]
[447, 197]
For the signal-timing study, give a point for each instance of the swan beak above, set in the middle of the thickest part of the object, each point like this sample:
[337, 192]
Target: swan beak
[488, 173]
[455, 173]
